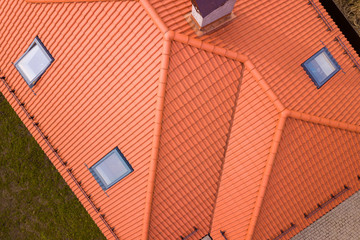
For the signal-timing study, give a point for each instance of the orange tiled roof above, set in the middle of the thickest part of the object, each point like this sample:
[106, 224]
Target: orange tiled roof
[309, 168]
[225, 132]
[99, 93]
[195, 128]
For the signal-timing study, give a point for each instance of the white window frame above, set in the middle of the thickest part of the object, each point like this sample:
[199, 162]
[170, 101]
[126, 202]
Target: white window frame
[46, 53]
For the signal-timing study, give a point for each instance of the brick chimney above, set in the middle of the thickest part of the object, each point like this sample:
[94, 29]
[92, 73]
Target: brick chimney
[205, 12]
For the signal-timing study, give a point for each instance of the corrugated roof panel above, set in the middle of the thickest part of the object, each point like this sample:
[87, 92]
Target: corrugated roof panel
[313, 162]
[99, 93]
[248, 150]
[200, 97]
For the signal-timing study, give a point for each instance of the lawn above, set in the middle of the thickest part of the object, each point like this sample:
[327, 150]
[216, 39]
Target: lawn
[351, 10]
[35, 201]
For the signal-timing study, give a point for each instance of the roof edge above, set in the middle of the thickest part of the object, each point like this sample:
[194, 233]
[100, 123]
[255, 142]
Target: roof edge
[157, 131]
[324, 121]
[154, 16]
[40, 137]
[182, 38]
[265, 86]
[265, 179]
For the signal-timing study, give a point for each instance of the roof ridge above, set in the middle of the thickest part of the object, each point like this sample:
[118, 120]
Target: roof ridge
[324, 121]
[185, 39]
[265, 179]
[164, 67]
[265, 86]
[150, 10]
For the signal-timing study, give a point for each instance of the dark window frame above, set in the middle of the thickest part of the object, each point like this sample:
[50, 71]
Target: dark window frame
[308, 62]
[36, 41]
[98, 178]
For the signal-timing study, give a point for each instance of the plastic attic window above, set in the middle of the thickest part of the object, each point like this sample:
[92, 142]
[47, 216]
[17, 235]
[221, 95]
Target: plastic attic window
[321, 67]
[111, 169]
[33, 64]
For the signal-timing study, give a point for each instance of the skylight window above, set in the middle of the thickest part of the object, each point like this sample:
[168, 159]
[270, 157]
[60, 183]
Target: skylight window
[33, 64]
[111, 169]
[321, 67]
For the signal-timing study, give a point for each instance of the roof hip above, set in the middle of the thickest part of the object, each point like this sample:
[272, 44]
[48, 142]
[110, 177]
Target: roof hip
[157, 130]
[150, 10]
[265, 179]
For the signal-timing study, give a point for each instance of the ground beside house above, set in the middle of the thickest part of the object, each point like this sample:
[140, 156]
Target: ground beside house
[341, 223]
[35, 201]
[351, 10]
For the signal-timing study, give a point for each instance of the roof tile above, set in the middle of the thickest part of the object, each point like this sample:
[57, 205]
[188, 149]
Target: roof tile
[126, 90]
[247, 153]
[89, 109]
[193, 140]
[330, 159]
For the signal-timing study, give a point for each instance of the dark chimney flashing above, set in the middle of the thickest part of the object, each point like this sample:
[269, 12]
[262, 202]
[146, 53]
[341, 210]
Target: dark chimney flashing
[205, 7]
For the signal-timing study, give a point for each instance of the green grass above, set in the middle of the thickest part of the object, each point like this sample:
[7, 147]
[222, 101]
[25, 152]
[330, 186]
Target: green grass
[35, 201]
[351, 10]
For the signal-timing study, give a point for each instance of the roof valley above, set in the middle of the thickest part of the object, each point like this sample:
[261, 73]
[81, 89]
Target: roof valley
[227, 144]
[205, 90]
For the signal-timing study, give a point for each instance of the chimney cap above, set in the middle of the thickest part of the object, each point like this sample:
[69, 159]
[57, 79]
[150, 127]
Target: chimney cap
[205, 7]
